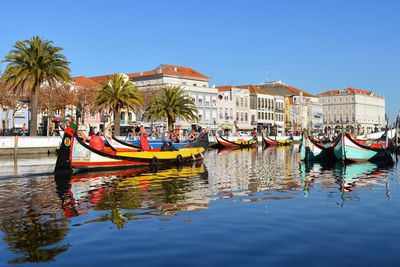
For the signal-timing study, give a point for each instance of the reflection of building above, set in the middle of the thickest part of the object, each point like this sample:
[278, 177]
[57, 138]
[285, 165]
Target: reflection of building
[359, 110]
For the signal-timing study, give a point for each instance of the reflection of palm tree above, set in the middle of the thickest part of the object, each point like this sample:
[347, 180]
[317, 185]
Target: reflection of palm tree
[28, 232]
[158, 192]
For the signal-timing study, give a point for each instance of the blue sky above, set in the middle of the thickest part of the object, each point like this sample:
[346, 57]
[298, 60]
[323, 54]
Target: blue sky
[312, 45]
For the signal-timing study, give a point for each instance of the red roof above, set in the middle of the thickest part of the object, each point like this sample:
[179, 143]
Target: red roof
[166, 69]
[84, 81]
[348, 90]
[298, 91]
[225, 88]
[102, 79]
[254, 89]
[358, 91]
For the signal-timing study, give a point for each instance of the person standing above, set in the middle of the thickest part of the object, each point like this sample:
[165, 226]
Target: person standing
[23, 129]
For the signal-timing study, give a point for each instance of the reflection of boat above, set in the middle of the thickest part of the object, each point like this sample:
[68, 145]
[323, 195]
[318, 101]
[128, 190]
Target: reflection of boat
[74, 153]
[350, 150]
[357, 174]
[127, 189]
[311, 150]
[267, 141]
[236, 143]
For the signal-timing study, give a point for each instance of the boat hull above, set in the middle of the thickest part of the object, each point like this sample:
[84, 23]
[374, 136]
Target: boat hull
[76, 154]
[235, 144]
[349, 150]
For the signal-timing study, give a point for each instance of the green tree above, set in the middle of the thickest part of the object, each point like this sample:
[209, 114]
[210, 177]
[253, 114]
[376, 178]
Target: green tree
[171, 103]
[31, 64]
[119, 93]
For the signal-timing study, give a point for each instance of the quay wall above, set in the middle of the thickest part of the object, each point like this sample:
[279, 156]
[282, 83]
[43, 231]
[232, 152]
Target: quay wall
[10, 145]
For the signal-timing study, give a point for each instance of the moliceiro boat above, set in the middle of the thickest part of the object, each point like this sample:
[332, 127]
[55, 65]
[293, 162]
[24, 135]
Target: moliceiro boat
[350, 150]
[222, 142]
[267, 141]
[77, 155]
[311, 150]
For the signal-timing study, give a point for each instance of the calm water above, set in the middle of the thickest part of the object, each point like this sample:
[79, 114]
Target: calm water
[240, 208]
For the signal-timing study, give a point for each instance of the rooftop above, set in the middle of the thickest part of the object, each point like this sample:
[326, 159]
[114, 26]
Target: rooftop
[84, 81]
[349, 90]
[166, 69]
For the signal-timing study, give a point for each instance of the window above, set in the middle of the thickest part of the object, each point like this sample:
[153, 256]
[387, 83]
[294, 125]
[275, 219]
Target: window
[214, 101]
[245, 116]
[241, 102]
[245, 101]
[200, 99]
[195, 84]
[207, 117]
[213, 114]
[237, 101]
[241, 116]
[237, 116]
[259, 115]
[207, 100]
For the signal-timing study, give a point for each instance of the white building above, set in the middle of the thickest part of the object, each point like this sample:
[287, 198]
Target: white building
[234, 107]
[303, 113]
[358, 110]
[195, 84]
[302, 109]
[268, 110]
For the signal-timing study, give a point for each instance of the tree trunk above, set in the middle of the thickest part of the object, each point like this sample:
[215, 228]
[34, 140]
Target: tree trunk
[7, 123]
[34, 111]
[13, 119]
[117, 122]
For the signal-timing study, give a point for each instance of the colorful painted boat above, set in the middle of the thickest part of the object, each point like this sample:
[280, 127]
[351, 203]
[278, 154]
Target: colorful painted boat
[267, 141]
[239, 143]
[76, 154]
[350, 150]
[312, 150]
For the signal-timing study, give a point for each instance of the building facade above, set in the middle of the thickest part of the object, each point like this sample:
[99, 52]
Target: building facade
[357, 110]
[194, 84]
[234, 107]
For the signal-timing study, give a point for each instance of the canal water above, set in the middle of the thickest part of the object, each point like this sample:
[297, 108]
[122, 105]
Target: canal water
[249, 207]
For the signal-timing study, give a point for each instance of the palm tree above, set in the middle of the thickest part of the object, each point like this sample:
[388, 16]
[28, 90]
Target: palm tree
[32, 63]
[170, 104]
[117, 94]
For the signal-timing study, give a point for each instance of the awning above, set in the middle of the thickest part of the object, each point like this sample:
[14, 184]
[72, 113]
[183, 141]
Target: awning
[245, 127]
[226, 126]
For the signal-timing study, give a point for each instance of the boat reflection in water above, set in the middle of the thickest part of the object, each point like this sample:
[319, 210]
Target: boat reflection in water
[347, 178]
[133, 194]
